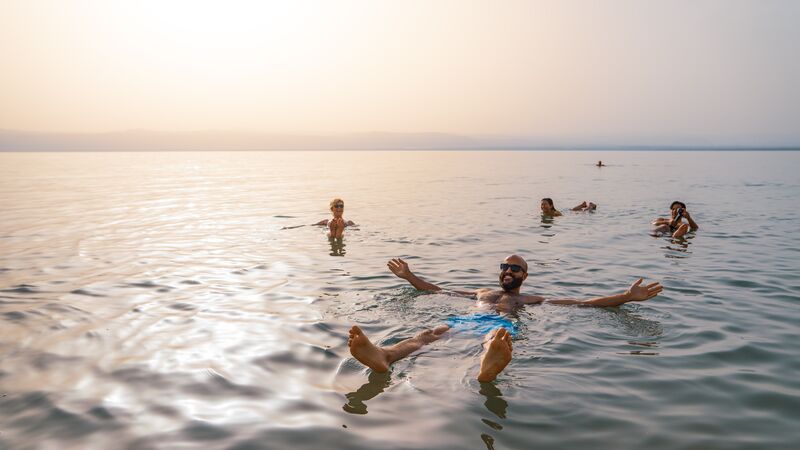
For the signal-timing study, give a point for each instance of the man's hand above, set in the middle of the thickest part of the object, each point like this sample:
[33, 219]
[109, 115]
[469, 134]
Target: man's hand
[399, 268]
[638, 293]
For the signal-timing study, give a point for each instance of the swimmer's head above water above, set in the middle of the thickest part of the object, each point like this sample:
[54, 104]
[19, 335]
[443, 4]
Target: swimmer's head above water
[337, 207]
[548, 208]
[676, 203]
[513, 271]
[677, 206]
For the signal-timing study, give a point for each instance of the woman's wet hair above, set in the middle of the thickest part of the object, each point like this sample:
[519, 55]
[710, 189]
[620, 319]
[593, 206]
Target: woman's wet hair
[549, 201]
[681, 204]
[335, 201]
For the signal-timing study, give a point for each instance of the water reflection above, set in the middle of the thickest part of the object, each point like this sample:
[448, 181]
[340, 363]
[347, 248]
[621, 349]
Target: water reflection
[497, 406]
[376, 383]
[547, 221]
[632, 324]
[494, 401]
[488, 440]
[678, 248]
[337, 246]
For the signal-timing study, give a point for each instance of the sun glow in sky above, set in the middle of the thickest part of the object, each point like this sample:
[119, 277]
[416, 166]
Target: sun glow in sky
[535, 68]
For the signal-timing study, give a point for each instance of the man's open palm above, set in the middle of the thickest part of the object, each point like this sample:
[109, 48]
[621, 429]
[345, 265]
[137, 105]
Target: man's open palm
[399, 268]
[641, 293]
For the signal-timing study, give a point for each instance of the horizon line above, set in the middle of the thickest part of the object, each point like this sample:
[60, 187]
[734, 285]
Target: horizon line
[138, 140]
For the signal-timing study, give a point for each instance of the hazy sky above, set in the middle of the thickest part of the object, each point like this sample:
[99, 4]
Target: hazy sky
[716, 70]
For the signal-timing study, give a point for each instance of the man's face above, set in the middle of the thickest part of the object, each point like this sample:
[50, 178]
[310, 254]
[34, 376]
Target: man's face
[546, 207]
[509, 279]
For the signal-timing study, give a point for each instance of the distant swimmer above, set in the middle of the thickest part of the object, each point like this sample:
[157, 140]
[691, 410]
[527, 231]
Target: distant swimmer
[549, 209]
[337, 224]
[488, 320]
[674, 224]
[600, 164]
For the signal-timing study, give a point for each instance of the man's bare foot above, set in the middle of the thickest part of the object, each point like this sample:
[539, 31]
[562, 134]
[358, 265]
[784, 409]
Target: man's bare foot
[496, 357]
[580, 207]
[366, 352]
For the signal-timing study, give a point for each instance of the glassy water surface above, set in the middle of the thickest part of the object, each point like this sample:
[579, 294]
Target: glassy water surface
[165, 300]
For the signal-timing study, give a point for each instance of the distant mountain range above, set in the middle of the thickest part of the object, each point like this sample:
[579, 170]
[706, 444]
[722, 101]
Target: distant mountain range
[145, 140]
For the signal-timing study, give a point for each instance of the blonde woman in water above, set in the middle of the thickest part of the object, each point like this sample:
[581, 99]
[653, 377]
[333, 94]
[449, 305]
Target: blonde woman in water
[337, 223]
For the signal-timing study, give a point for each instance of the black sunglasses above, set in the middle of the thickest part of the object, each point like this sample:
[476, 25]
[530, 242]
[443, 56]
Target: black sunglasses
[339, 205]
[516, 268]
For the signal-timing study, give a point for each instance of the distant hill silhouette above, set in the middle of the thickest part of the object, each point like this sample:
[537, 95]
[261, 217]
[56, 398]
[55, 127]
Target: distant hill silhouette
[145, 140]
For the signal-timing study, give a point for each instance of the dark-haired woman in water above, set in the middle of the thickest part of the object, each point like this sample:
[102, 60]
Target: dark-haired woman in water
[673, 225]
[549, 209]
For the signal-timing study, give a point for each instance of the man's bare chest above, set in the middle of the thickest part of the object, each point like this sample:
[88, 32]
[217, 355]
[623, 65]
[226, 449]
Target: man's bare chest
[499, 298]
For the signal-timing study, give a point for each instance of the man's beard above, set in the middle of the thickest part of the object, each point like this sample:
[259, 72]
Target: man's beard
[513, 284]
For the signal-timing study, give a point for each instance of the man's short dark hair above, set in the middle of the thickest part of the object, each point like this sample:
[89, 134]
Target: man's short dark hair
[681, 204]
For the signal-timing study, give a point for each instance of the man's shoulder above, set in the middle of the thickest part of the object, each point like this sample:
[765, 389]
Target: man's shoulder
[532, 298]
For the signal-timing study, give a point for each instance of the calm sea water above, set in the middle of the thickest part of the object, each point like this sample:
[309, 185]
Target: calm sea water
[172, 300]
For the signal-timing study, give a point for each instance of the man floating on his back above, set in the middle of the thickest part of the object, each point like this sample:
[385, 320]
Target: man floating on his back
[492, 303]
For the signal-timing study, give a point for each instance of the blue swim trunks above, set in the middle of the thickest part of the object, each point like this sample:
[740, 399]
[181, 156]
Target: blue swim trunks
[481, 323]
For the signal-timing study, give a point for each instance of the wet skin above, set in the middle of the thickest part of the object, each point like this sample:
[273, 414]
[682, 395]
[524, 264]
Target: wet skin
[498, 349]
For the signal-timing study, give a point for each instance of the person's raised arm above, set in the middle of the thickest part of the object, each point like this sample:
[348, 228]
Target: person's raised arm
[691, 221]
[636, 293]
[400, 268]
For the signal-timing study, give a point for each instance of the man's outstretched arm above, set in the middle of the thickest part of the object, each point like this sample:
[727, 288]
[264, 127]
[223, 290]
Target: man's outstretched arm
[636, 293]
[400, 268]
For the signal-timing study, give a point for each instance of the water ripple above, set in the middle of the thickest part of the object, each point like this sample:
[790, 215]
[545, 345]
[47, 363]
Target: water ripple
[181, 301]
